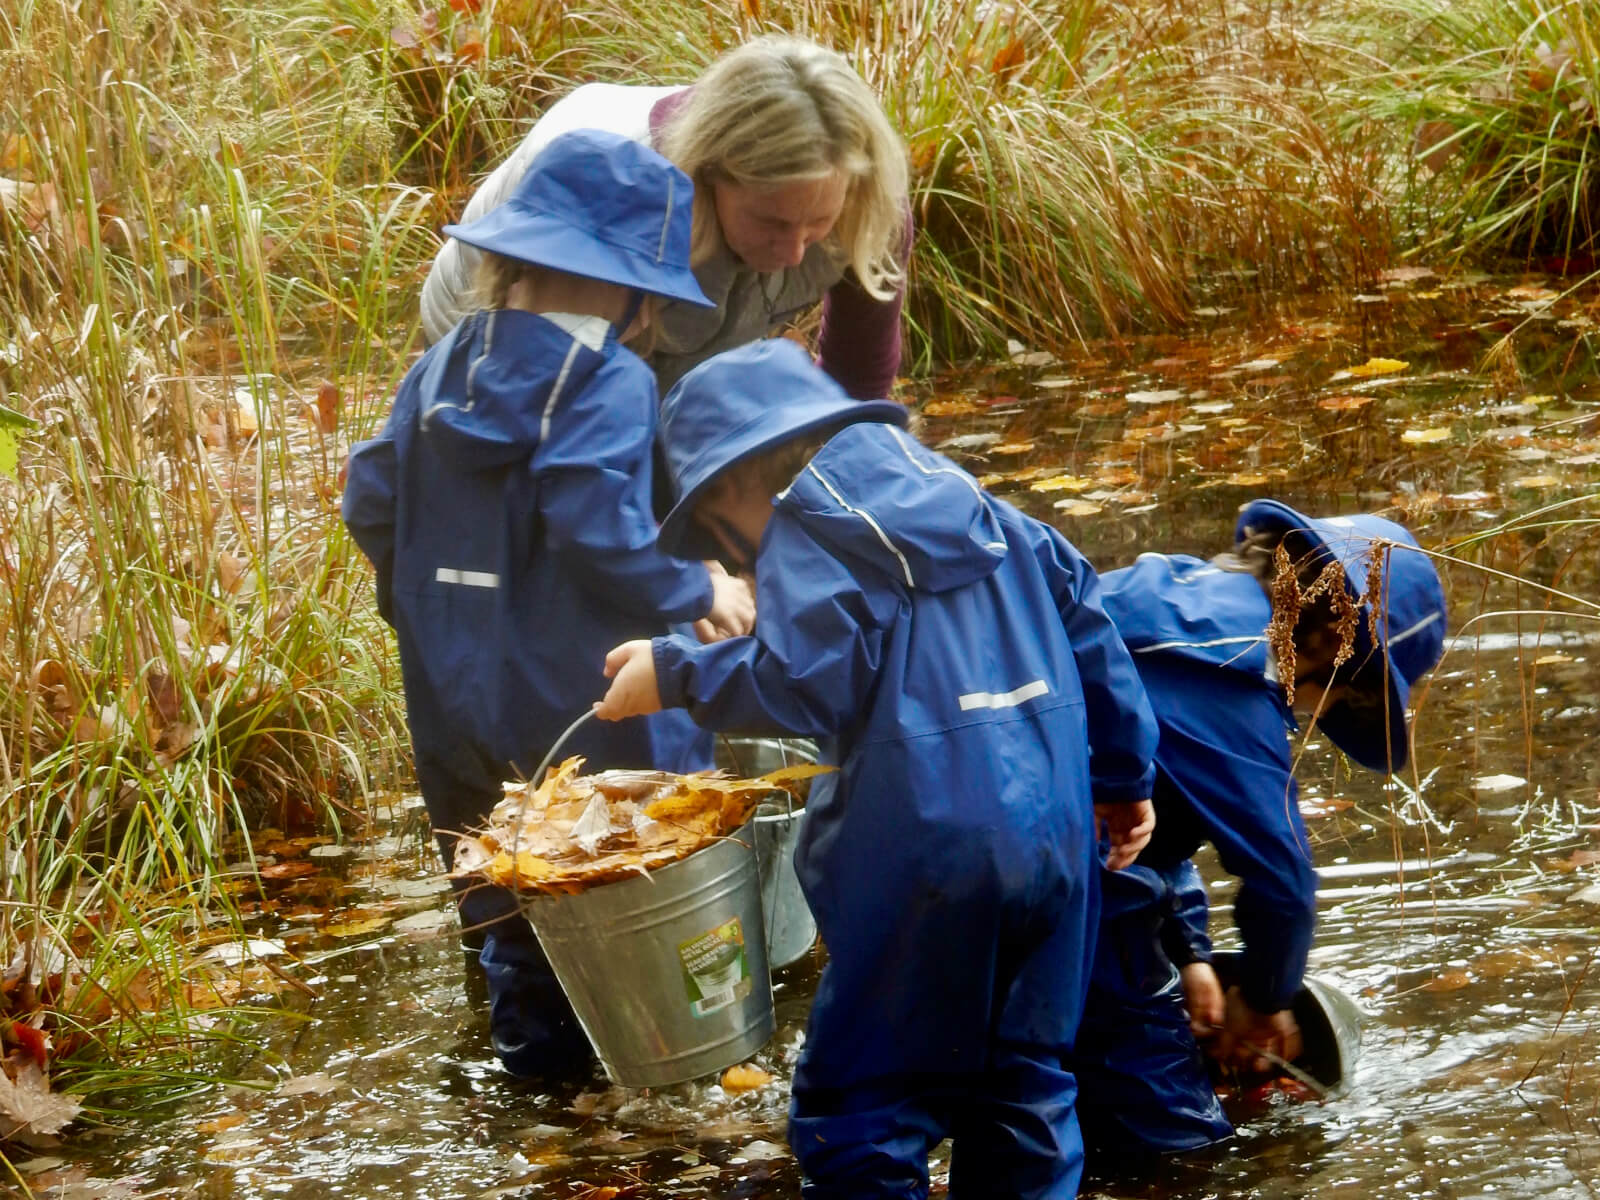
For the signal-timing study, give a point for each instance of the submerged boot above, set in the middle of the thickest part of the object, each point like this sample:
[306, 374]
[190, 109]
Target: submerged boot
[531, 1022]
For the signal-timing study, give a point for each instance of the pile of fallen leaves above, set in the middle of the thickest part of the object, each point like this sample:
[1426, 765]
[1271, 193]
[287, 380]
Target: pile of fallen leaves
[572, 832]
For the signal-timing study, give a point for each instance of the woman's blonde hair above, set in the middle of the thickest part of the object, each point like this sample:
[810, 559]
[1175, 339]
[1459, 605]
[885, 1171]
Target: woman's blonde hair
[780, 109]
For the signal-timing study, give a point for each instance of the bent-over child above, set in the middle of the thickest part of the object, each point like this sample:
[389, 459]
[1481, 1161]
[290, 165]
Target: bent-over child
[1336, 618]
[506, 506]
[952, 657]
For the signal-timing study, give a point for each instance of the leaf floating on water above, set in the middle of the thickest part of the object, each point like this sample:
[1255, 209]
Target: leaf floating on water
[219, 1124]
[1422, 437]
[762, 1151]
[1377, 366]
[952, 408]
[1577, 859]
[28, 1106]
[1076, 508]
[1448, 981]
[360, 928]
[744, 1077]
[1247, 479]
[1536, 482]
[1163, 396]
[1344, 403]
[1061, 483]
[1010, 448]
[308, 1085]
[1498, 783]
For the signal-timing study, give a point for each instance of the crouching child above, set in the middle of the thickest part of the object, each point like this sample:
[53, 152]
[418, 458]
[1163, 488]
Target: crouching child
[953, 659]
[1334, 618]
[507, 508]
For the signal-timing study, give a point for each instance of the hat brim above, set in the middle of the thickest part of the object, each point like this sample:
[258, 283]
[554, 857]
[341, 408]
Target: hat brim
[518, 232]
[1374, 746]
[683, 537]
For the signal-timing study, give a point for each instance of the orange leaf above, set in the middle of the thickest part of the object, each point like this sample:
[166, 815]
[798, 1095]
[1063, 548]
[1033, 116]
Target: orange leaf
[328, 399]
[744, 1077]
[470, 52]
[1344, 403]
[1009, 58]
[467, 6]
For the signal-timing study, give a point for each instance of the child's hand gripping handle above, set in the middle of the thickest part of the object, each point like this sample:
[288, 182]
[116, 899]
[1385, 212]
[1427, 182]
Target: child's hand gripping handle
[631, 667]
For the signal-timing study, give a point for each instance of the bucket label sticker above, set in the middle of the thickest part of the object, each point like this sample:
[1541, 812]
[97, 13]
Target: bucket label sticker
[715, 970]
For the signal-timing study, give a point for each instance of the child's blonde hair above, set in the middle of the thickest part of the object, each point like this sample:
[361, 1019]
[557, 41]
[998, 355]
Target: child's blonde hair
[771, 471]
[495, 275]
[780, 109]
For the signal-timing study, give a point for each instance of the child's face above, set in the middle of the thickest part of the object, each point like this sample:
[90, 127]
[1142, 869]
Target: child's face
[737, 517]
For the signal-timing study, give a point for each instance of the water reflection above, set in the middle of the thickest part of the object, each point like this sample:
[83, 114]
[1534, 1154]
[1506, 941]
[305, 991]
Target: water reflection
[1454, 901]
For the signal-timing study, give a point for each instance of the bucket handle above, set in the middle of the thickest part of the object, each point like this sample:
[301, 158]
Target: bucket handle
[559, 742]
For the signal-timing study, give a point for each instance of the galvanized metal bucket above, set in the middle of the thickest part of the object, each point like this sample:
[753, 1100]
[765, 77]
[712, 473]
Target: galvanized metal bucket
[668, 974]
[791, 929]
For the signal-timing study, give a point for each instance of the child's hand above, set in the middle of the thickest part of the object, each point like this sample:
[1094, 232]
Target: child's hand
[1246, 1033]
[733, 607]
[1129, 827]
[1202, 996]
[631, 667]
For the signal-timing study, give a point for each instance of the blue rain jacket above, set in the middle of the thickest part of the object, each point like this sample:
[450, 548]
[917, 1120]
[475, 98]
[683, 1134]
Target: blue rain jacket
[506, 506]
[952, 658]
[1223, 767]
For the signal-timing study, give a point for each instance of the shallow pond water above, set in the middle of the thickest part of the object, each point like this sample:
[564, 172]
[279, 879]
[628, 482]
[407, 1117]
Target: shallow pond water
[1459, 905]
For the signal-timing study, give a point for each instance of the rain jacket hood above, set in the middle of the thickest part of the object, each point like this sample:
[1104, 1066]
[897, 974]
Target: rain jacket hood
[504, 364]
[738, 404]
[602, 206]
[930, 527]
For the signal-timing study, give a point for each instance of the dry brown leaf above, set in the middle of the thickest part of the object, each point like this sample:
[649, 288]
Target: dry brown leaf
[1448, 981]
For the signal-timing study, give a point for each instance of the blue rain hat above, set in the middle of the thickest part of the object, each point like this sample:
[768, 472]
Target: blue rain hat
[739, 403]
[599, 205]
[1411, 620]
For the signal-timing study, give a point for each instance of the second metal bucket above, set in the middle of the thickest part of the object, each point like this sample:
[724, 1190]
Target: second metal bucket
[790, 928]
[668, 974]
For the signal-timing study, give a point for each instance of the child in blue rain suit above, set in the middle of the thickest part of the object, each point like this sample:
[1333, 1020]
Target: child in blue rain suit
[507, 507]
[953, 659]
[1199, 636]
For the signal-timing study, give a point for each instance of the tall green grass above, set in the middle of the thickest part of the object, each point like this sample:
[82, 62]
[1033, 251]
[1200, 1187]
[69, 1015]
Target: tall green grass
[1497, 100]
[205, 236]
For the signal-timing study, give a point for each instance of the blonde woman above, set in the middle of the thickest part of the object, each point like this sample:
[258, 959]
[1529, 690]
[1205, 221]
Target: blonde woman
[800, 197]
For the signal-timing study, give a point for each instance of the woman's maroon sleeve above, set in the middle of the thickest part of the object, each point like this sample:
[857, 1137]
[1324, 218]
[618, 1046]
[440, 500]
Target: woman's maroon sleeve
[860, 341]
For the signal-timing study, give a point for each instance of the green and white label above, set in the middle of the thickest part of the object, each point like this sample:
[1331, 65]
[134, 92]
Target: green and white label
[716, 972]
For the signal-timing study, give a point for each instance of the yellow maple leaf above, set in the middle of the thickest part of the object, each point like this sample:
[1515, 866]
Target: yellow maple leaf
[1062, 483]
[1378, 366]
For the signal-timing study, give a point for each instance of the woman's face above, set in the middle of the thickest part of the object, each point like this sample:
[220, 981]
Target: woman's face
[771, 228]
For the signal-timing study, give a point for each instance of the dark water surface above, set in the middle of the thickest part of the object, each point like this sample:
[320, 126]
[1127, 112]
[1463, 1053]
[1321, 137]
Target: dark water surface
[1460, 905]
